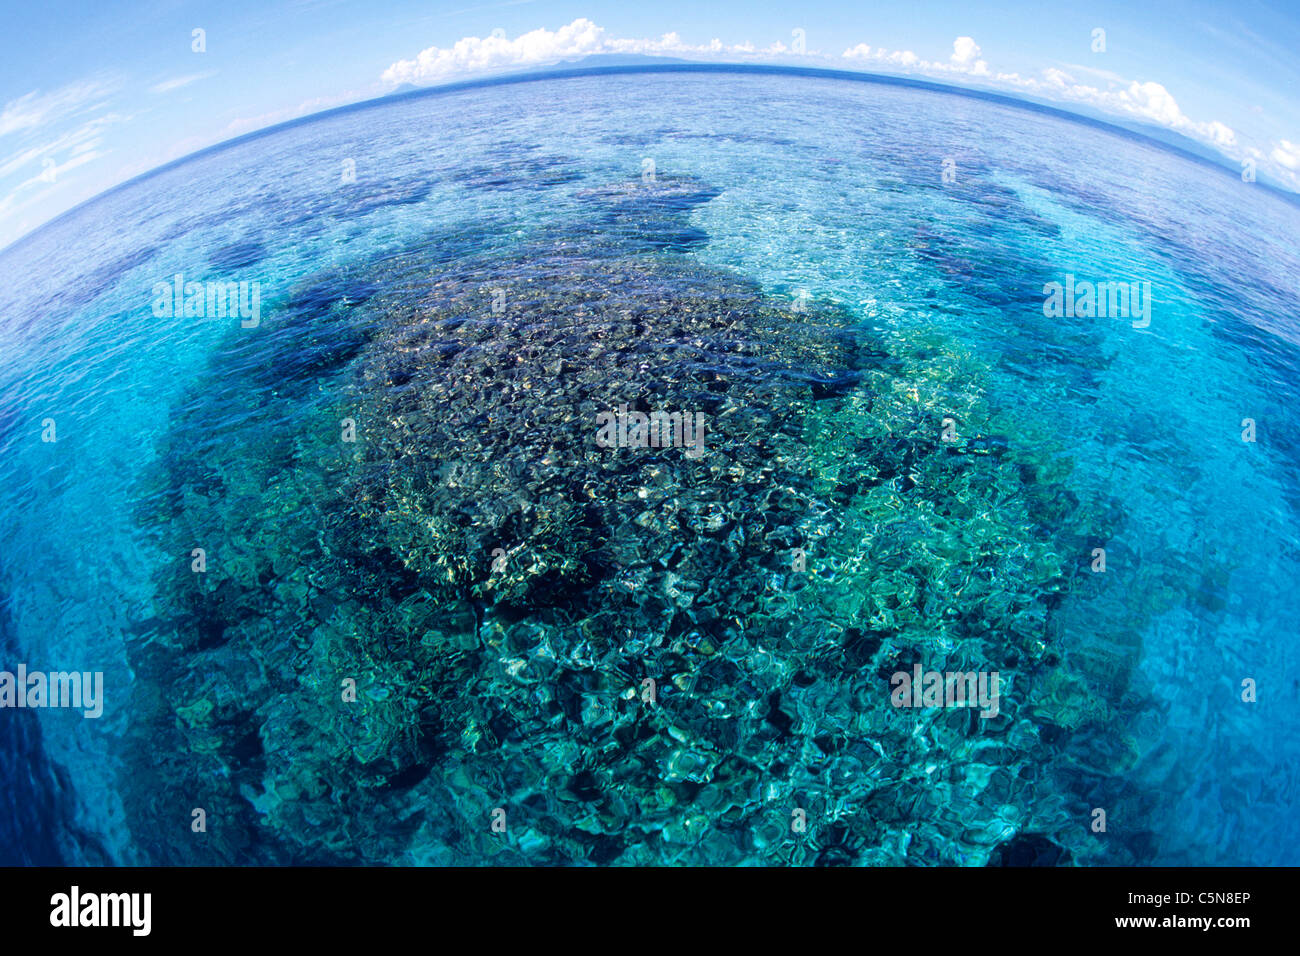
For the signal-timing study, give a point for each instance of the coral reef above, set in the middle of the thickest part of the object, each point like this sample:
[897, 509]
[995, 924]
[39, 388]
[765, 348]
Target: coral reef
[499, 587]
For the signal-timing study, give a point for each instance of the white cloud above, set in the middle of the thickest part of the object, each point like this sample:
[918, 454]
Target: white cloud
[44, 135]
[965, 51]
[1148, 101]
[1153, 101]
[579, 38]
[36, 109]
[1219, 133]
[45, 177]
[1058, 79]
[80, 139]
[881, 55]
[965, 58]
[1094, 71]
[476, 54]
[1287, 154]
[166, 86]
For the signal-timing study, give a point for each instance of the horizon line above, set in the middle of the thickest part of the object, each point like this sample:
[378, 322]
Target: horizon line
[674, 66]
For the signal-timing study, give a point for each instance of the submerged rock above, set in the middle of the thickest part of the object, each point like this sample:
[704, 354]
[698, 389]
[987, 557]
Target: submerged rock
[638, 654]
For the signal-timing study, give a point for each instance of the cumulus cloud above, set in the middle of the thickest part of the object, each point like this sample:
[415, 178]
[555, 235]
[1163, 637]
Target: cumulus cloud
[1154, 102]
[965, 51]
[880, 55]
[477, 54]
[965, 58]
[1286, 153]
[1147, 100]
[1057, 79]
[580, 38]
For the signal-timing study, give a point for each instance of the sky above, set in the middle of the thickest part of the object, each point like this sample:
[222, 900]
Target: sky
[93, 94]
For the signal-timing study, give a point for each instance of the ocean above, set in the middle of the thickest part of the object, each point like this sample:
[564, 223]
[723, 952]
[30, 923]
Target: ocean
[366, 588]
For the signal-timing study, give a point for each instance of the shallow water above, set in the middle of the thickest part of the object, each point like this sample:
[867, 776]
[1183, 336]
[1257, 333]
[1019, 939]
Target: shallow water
[517, 685]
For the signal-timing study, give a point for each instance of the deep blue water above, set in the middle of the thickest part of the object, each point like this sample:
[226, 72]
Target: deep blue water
[518, 688]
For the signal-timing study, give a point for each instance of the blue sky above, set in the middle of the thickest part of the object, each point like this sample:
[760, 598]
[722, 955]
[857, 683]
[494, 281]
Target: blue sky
[92, 94]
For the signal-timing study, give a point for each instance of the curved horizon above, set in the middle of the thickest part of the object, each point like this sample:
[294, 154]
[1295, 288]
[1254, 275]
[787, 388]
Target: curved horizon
[551, 73]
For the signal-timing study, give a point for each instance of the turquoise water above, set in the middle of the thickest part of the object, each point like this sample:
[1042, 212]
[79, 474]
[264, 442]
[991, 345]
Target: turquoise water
[520, 687]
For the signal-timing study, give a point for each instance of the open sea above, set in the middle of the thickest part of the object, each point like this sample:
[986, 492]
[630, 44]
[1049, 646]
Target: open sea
[365, 586]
